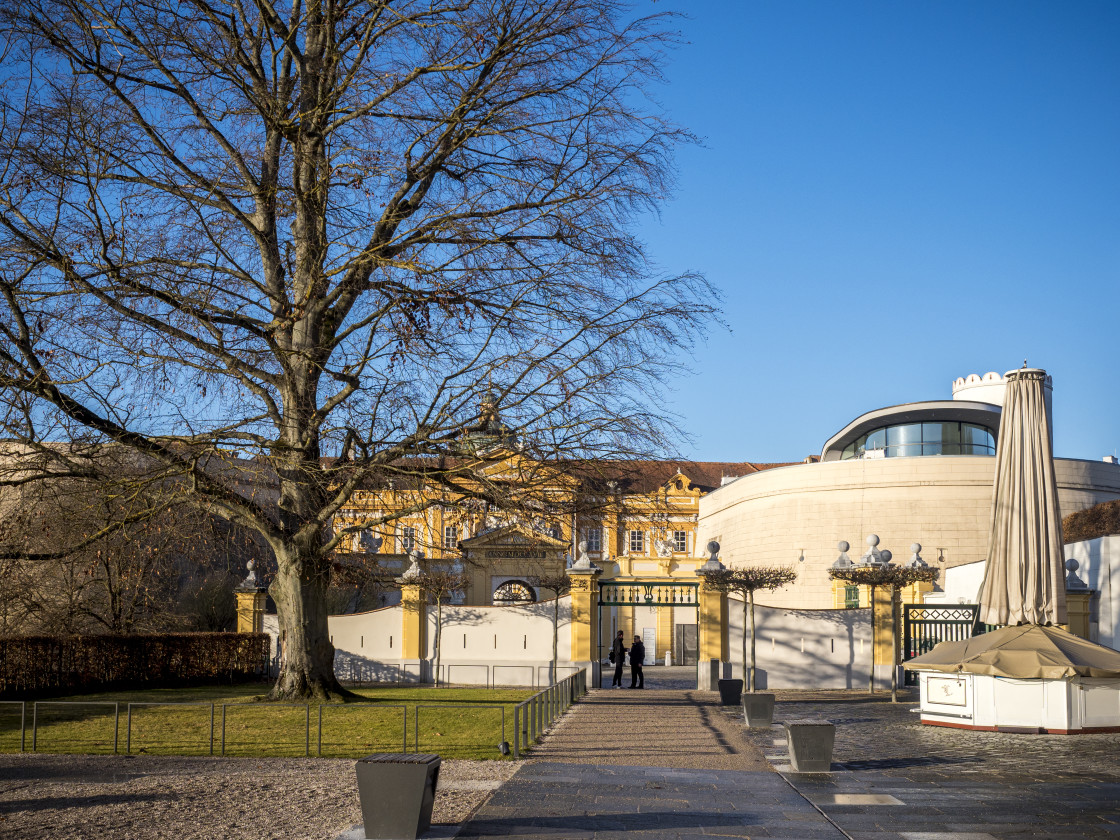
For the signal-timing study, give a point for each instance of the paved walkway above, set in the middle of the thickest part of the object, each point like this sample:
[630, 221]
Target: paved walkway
[646, 764]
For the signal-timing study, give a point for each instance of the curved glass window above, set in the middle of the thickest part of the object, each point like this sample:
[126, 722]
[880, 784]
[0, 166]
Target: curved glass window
[910, 439]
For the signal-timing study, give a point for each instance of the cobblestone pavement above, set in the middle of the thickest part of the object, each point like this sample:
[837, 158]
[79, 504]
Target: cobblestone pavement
[951, 783]
[892, 779]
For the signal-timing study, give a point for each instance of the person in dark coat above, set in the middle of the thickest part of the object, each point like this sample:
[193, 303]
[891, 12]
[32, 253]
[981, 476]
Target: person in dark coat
[618, 656]
[637, 657]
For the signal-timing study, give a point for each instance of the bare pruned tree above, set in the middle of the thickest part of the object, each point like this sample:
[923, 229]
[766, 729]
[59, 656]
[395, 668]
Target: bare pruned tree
[304, 238]
[109, 552]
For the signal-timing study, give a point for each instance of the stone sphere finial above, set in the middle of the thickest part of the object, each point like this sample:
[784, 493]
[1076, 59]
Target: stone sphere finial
[873, 540]
[713, 549]
[886, 556]
[843, 561]
[915, 548]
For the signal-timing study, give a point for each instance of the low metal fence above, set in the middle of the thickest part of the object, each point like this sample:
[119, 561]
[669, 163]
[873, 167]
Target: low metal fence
[533, 716]
[530, 717]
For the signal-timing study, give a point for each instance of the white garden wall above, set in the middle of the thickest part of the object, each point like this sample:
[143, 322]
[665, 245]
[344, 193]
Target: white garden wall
[802, 648]
[513, 646]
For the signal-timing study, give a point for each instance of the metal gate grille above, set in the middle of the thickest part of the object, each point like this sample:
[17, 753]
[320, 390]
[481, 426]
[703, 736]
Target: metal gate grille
[924, 625]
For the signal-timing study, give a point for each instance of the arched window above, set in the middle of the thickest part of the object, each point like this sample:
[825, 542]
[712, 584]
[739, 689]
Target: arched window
[514, 592]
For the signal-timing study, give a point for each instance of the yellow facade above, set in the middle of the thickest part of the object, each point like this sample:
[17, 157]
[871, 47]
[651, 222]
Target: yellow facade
[646, 531]
[642, 534]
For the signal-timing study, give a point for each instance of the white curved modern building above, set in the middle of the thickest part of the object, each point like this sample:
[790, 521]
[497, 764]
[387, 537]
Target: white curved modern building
[918, 472]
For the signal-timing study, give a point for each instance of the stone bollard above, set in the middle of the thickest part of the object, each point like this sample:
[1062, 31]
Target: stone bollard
[810, 745]
[758, 710]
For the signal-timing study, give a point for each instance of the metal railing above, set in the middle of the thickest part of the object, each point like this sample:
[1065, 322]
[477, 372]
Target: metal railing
[533, 716]
[530, 717]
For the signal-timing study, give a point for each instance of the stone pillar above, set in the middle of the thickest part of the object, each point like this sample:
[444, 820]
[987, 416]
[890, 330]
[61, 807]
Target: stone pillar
[250, 609]
[585, 629]
[881, 626]
[713, 624]
[414, 623]
[1077, 611]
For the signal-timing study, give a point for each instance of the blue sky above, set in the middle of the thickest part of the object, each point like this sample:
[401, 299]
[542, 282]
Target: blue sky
[892, 195]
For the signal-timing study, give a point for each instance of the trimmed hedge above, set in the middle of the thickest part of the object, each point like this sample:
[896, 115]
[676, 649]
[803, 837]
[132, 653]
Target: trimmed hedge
[1100, 520]
[75, 664]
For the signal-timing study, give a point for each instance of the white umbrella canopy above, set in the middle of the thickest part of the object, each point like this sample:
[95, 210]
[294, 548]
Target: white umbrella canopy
[1024, 580]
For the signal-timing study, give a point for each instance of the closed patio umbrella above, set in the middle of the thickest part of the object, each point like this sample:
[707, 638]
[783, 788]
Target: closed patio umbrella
[1024, 580]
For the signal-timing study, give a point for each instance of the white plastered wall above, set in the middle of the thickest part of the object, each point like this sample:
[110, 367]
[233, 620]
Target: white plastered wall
[802, 648]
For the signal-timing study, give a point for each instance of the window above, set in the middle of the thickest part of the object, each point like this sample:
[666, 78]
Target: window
[514, 592]
[637, 542]
[408, 538]
[367, 541]
[909, 439]
[451, 536]
[680, 541]
[851, 597]
[594, 539]
[554, 532]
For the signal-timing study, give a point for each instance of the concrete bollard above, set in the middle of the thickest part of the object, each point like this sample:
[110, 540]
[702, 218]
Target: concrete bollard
[810, 745]
[758, 710]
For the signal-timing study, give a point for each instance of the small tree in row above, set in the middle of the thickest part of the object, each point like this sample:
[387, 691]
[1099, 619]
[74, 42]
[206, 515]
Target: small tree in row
[746, 582]
[895, 578]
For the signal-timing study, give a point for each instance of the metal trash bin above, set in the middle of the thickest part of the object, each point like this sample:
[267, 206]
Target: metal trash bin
[810, 745]
[397, 791]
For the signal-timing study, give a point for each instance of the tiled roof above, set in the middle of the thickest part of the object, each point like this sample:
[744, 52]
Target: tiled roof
[646, 476]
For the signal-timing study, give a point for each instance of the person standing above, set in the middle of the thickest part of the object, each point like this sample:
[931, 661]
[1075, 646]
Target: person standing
[618, 656]
[637, 657]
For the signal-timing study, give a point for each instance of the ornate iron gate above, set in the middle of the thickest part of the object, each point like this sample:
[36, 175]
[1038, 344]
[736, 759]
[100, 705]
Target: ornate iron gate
[924, 625]
[648, 593]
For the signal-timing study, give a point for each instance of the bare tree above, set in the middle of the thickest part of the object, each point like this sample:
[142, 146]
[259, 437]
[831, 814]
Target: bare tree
[112, 554]
[440, 585]
[301, 240]
[746, 581]
[895, 578]
[559, 585]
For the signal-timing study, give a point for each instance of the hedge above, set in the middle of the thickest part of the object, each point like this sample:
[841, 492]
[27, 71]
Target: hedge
[1100, 520]
[74, 664]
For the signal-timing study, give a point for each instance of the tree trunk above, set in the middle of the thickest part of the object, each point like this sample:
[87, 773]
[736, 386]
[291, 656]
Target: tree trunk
[307, 662]
[871, 670]
[439, 634]
[751, 596]
[555, 636]
[743, 658]
[894, 644]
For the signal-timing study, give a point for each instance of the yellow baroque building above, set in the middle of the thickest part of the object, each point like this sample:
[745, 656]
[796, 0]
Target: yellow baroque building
[634, 517]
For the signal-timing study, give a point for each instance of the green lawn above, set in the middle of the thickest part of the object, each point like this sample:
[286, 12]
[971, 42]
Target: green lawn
[453, 722]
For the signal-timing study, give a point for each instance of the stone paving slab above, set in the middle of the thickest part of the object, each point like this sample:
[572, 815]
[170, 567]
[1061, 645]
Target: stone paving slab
[618, 801]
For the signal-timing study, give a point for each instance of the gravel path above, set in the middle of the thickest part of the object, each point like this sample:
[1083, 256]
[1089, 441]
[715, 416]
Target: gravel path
[84, 797]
